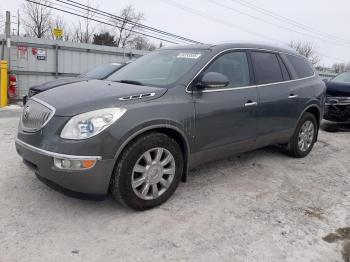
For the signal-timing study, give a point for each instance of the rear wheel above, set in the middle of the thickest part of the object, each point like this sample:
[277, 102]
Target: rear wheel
[148, 172]
[304, 136]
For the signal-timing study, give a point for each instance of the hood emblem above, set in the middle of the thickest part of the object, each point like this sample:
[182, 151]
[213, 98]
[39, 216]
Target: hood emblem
[137, 96]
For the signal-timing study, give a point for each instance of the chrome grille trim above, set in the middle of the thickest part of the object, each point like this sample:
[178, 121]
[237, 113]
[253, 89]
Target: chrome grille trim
[54, 154]
[40, 118]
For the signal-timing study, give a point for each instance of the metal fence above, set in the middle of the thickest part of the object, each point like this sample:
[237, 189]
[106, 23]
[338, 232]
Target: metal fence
[326, 75]
[35, 61]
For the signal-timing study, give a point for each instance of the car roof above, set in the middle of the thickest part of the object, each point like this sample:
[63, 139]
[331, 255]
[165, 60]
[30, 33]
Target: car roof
[243, 45]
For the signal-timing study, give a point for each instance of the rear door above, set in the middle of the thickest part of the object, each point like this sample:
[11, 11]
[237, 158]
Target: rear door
[278, 100]
[226, 117]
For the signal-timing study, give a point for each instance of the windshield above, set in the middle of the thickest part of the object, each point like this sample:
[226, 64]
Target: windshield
[101, 71]
[159, 68]
[344, 78]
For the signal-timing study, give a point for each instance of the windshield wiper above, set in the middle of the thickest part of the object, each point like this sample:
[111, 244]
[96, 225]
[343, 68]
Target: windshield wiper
[132, 82]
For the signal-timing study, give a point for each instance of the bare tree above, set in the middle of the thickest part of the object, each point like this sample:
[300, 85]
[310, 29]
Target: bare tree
[306, 49]
[125, 26]
[89, 28]
[78, 34]
[141, 43]
[83, 31]
[36, 18]
[341, 67]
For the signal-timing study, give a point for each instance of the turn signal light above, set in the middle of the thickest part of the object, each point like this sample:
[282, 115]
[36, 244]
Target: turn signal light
[88, 163]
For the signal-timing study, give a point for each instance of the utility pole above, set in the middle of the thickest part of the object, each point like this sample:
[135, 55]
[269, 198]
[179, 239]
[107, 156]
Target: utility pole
[8, 25]
[3, 46]
[18, 22]
[8, 36]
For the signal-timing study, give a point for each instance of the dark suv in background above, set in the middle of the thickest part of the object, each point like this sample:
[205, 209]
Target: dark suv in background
[99, 72]
[338, 98]
[139, 132]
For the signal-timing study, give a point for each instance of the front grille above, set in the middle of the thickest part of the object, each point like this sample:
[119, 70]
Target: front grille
[337, 100]
[35, 115]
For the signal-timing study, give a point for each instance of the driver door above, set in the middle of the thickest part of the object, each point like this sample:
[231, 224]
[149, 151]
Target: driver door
[226, 121]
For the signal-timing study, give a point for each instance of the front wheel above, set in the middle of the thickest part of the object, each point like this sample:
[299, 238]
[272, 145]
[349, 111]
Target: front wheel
[304, 137]
[148, 172]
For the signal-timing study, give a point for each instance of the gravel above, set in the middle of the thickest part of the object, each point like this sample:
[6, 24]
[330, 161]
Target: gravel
[259, 206]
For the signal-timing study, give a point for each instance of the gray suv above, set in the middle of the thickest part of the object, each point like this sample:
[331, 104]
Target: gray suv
[138, 133]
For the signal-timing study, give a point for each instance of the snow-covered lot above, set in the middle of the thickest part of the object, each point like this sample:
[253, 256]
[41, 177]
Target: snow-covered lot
[259, 206]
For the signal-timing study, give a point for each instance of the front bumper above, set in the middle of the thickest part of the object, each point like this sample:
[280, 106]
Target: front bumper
[337, 109]
[89, 181]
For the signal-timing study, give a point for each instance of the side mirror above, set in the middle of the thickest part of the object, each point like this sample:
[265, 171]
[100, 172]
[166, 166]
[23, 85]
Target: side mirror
[213, 80]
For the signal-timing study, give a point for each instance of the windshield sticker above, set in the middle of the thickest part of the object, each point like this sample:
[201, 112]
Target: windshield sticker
[188, 55]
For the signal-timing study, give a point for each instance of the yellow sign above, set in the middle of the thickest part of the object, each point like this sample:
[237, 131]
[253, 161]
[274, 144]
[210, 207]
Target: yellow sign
[57, 32]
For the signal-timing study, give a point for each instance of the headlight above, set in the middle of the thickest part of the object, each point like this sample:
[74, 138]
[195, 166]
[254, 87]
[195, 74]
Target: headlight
[91, 123]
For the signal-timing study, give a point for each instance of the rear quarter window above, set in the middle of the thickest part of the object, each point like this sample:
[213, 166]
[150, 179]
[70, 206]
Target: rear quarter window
[301, 66]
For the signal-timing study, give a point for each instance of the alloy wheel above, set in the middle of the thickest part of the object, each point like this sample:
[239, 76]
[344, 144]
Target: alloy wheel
[306, 136]
[153, 173]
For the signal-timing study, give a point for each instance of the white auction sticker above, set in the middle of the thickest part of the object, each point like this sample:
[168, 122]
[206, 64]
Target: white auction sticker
[188, 55]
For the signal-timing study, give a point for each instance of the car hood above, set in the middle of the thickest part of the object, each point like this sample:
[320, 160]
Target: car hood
[338, 89]
[57, 82]
[76, 98]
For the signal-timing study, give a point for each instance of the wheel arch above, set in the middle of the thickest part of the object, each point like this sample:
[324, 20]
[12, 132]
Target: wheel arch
[316, 111]
[170, 130]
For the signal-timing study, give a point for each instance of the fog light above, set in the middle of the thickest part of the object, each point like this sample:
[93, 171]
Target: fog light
[72, 164]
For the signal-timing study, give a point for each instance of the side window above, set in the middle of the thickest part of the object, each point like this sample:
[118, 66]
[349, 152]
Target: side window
[266, 67]
[234, 66]
[300, 65]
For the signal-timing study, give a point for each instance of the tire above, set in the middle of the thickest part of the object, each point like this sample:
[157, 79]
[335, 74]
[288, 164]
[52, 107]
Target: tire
[294, 148]
[126, 177]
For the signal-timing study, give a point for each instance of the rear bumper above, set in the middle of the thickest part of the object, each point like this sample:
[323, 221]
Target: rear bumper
[93, 181]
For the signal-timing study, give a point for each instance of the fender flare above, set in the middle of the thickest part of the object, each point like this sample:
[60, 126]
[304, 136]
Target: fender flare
[306, 109]
[167, 125]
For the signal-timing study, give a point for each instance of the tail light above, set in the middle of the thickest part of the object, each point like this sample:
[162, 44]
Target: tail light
[12, 90]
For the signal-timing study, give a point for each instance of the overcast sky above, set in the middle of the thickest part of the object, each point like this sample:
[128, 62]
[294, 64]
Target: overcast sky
[222, 24]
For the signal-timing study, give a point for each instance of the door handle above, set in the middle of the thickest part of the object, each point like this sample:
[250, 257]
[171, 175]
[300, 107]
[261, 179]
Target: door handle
[250, 103]
[292, 96]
